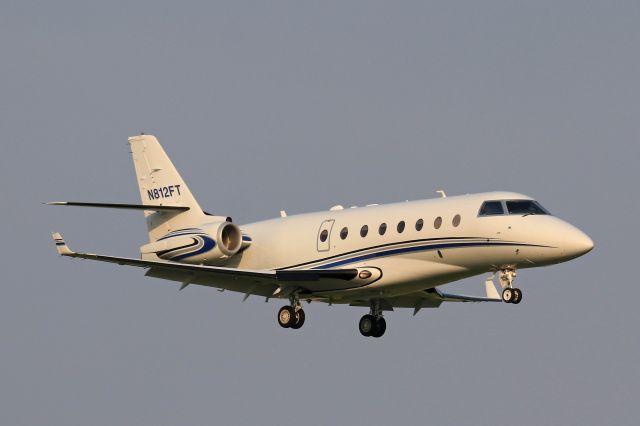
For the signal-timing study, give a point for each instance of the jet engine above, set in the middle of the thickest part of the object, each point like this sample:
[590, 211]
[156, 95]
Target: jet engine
[210, 244]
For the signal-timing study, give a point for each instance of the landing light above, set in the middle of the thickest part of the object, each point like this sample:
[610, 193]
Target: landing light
[364, 274]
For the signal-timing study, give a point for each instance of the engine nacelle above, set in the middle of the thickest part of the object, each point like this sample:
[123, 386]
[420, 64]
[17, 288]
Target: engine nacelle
[210, 244]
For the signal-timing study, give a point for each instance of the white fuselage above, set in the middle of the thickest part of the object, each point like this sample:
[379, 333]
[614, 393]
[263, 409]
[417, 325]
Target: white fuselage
[464, 244]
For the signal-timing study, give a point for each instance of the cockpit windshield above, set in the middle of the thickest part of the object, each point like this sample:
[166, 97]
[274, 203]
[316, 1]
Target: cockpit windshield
[525, 207]
[512, 207]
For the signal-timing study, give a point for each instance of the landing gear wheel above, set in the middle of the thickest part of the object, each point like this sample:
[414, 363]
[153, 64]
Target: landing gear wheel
[299, 319]
[380, 327]
[517, 296]
[367, 325]
[286, 317]
[507, 295]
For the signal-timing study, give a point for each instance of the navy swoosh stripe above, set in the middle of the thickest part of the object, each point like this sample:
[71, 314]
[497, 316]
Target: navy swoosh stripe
[194, 243]
[183, 230]
[180, 234]
[385, 245]
[429, 247]
[209, 243]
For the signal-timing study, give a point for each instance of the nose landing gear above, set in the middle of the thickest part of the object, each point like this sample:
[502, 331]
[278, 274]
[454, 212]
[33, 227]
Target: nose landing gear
[509, 294]
[373, 324]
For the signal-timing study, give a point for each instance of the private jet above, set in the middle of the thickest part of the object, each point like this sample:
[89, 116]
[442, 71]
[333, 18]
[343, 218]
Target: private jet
[379, 257]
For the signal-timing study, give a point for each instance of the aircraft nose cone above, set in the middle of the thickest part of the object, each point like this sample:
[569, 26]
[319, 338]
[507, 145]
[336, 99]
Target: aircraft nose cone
[577, 243]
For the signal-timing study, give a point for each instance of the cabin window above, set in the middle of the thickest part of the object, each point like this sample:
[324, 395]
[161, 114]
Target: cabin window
[437, 223]
[364, 231]
[382, 229]
[400, 227]
[344, 232]
[456, 220]
[419, 224]
[491, 208]
[324, 235]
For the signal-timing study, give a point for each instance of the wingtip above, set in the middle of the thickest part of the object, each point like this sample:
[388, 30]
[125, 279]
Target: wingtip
[61, 246]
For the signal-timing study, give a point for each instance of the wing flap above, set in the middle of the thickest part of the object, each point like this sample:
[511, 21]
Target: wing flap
[253, 285]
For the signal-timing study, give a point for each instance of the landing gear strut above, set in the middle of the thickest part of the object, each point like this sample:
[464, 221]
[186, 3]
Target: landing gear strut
[291, 316]
[373, 324]
[509, 294]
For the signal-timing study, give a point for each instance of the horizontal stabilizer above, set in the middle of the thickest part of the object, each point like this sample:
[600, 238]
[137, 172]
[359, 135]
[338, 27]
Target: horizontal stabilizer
[120, 206]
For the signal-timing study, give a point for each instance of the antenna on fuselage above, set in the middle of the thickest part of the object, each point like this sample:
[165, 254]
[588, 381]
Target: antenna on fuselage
[442, 193]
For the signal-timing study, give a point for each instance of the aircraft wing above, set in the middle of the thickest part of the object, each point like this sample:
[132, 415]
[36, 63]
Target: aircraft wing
[432, 298]
[266, 283]
[274, 283]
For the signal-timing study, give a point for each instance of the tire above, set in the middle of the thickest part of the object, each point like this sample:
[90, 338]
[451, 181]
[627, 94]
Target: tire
[517, 296]
[299, 319]
[367, 325]
[507, 295]
[286, 317]
[380, 328]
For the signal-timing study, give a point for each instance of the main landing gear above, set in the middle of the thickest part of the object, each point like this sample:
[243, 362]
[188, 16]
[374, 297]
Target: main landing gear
[509, 294]
[373, 324]
[291, 316]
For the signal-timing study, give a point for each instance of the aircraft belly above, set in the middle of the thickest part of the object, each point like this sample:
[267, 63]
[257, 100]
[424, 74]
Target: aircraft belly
[402, 275]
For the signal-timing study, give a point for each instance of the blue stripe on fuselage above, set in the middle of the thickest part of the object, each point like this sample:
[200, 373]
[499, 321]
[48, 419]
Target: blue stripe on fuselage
[428, 247]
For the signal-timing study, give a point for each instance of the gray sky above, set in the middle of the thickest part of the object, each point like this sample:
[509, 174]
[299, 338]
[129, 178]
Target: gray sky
[266, 106]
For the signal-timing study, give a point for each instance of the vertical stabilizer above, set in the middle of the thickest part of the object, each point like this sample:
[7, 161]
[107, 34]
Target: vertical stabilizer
[160, 184]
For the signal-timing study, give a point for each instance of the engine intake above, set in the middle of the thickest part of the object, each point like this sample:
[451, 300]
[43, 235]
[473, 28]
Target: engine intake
[228, 236]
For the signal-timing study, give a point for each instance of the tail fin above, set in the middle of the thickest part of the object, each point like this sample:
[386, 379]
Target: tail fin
[161, 185]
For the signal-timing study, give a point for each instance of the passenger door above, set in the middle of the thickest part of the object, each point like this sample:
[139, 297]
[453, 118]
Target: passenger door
[324, 235]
